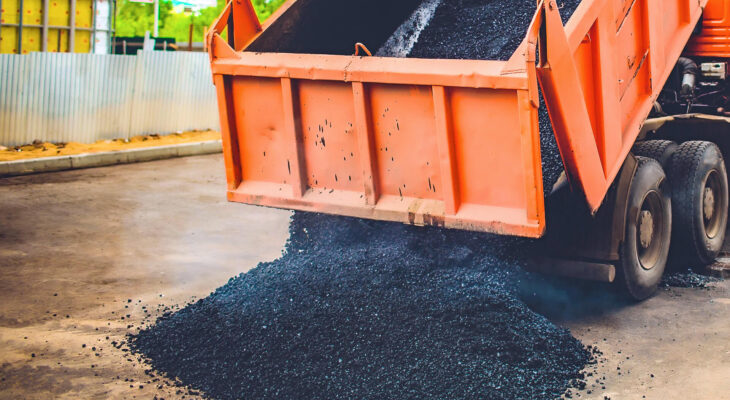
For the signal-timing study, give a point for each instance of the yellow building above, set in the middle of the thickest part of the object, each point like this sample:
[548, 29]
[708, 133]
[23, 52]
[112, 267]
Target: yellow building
[80, 26]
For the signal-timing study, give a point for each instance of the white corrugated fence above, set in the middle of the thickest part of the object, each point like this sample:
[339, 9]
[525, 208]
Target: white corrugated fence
[63, 97]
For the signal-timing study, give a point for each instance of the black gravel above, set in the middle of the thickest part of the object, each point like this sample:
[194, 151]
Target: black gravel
[480, 29]
[552, 163]
[370, 310]
[334, 26]
[687, 279]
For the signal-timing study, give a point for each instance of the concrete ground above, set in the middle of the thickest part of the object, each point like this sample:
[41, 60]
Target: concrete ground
[85, 255]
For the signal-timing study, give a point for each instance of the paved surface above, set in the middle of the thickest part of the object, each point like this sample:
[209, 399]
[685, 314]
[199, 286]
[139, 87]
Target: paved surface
[83, 243]
[97, 238]
[673, 346]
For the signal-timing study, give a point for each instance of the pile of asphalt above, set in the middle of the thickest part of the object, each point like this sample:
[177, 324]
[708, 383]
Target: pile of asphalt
[687, 279]
[370, 310]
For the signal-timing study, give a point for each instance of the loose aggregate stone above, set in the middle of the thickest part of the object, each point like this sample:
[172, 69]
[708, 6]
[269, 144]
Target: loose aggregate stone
[480, 29]
[401, 42]
[687, 279]
[370, 310]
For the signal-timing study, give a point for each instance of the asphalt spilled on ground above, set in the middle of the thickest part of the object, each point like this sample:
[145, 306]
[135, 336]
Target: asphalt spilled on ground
[377, 310]
[370, 310]
[687, 279]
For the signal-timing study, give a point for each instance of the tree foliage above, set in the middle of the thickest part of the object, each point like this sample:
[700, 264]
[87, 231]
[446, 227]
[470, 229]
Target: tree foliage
[134, 19]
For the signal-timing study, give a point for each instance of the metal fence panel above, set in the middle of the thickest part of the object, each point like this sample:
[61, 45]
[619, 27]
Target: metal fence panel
[63, 97]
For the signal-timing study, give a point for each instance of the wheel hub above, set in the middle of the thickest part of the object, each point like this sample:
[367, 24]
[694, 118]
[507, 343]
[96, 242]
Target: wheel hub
[713, 205]
[646, 228]
[708, 203]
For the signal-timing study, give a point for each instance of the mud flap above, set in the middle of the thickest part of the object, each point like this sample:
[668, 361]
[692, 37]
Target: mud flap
[575, 234]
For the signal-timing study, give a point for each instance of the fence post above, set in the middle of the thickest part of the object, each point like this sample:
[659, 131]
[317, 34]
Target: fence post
[136, 95]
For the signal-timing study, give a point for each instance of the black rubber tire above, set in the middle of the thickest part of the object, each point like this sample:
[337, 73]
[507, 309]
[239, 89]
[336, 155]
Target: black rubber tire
[694, 165]
[660, 150]
[641, 279]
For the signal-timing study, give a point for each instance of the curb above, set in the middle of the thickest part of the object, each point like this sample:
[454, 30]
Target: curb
[90, 160]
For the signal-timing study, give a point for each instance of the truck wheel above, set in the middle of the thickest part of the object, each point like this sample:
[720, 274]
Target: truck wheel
[700, 197]
[660, 150]
[645, 248]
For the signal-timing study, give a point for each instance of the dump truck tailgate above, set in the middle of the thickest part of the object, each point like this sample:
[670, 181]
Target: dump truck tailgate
[384, 138]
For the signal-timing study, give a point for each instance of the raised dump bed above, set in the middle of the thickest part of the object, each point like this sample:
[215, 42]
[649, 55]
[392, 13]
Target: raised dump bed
[307, 125]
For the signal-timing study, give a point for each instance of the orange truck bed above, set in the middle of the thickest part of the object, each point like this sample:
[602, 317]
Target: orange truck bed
[714, 38]
[452, 143]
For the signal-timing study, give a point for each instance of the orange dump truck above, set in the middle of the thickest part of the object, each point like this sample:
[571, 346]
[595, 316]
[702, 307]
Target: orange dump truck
[635, 91]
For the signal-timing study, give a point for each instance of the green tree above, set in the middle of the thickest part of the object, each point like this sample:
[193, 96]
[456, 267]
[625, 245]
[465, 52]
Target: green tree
[133, 19]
